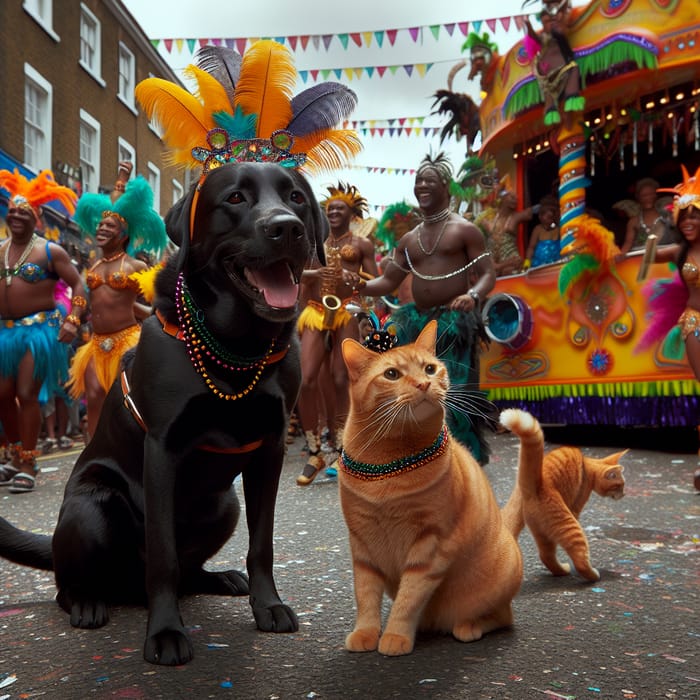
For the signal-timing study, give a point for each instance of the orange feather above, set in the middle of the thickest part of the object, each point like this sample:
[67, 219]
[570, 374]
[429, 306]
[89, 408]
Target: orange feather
[328, 149]
[183, 119]
[265, 86]
[210, 91]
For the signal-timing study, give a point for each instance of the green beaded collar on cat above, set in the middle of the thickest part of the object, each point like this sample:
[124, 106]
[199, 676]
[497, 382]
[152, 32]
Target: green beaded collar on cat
[376, 472]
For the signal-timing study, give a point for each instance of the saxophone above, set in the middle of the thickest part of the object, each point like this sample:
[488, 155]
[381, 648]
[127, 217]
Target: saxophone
[331, 303]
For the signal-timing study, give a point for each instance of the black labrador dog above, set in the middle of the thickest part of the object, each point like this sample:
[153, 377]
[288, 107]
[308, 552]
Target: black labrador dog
[205, 396]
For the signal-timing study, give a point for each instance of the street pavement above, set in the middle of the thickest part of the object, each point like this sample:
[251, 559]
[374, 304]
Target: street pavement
[633, 634]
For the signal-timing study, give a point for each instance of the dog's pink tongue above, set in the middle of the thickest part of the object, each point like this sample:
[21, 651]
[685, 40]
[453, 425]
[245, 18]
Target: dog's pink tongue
[277, 285]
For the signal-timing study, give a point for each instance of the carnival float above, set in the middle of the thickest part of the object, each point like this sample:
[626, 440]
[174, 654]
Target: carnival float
[619, 105]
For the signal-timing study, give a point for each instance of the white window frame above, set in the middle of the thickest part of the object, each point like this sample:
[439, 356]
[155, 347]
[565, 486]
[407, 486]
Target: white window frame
[125, 151]
[178, 191]
[41, 11]
[126, 92]
[95, 70]
[91, 184]
[43, 154]
[154, 182]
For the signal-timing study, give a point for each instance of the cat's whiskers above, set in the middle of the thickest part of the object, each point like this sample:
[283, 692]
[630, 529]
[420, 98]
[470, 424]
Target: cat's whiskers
[380, 422]
[470, 402]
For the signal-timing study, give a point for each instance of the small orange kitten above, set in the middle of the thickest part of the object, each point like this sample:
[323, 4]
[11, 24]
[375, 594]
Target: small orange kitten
[424, 525]
[552, 491]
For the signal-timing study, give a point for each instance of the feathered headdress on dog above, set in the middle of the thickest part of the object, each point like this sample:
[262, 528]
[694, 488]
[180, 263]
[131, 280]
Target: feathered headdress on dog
[243, 110]
[687, 193]
[351, 196]
[135, 211]
[31, 194]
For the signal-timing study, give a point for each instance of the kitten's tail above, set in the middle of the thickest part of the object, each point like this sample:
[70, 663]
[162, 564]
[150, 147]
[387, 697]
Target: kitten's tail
[528, 429]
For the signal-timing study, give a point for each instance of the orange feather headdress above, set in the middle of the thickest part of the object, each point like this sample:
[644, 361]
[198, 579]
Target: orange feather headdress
[351, 196]
[243, 110]
[31, 194]
[687, 193]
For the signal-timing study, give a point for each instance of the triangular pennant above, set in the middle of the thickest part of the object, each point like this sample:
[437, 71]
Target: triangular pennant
[168, 43]
[449, 28]
[304, 41]
[435, 31]
[422, 69]
[371, 132]
[338, 73]
[280, 39]
[316, 41]
[369, 70]
[477, 25]
[344, 40]
[327, 38]
[367, 38]
[414, 32]
[240, 45]
[491, 24]
[392, 130]
[314, 73]
[379, 38]
[393, 69]
[519, 22]
[381, 131]
[463, 27]
[293, 42]
[402, 120]
[178, 44]
[203, 42]
[357, 38]
[381, 70]
[303, 74]
[191, 44]
[358, 72]
[230, 44]
[391, 33]
[154, 43]
[505, 21]
[325, 73]
[217, 42]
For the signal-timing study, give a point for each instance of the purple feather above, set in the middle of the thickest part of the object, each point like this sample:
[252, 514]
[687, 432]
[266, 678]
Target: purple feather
[666, 300]
[319, 107]
[221, 63]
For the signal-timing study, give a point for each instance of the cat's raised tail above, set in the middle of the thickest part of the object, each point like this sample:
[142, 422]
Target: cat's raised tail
[529, 430]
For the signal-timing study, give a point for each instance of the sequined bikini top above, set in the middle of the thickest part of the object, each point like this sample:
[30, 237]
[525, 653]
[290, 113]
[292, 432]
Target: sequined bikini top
[31, 272]
[691, 273]
[115, 280]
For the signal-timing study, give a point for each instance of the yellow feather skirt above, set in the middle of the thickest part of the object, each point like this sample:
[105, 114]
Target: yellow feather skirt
[312, 317]
[106, 351]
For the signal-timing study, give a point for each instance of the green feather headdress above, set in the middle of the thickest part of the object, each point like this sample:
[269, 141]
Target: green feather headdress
[145, 227]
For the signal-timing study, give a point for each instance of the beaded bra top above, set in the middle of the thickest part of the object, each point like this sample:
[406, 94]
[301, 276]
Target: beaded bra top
[116, 280]
[31, 272]
[691, 273]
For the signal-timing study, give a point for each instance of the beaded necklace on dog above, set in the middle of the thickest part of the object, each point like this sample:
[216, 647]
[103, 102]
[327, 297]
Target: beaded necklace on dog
[377, 472]
[199, 341]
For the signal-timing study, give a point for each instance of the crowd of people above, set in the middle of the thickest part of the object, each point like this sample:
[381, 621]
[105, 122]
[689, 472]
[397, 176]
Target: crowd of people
[442, 268]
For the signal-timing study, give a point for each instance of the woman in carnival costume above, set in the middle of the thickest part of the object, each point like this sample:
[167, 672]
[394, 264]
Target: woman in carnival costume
[34, 334]
[121, 228]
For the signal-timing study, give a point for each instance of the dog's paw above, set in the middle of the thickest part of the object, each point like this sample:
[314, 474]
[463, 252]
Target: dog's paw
[234, 583]
[168, 648]
[362, 639]
[89, 614]
[275, 618]
[230, 582]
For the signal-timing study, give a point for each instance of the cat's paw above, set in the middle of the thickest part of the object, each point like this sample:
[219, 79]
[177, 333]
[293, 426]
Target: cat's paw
[395, 644]
[467, 631]
[590, 574]
[362, 640]
[559, 569]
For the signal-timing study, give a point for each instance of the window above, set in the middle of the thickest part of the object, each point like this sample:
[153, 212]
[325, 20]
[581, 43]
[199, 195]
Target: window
[127, 76]
[90, 151]
[42, 12]
[38, 103]
[125, 151]
[178, 191]
[154, 182]
[90, 43]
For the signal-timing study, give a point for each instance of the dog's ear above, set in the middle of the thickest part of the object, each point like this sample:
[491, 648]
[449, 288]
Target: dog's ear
[320, 222]
[177, 224]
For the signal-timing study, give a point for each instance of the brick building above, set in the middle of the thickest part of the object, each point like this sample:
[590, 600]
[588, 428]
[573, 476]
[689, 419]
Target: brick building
[67, 96]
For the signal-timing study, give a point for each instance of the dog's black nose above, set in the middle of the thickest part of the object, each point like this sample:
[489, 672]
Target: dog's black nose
[284, 226]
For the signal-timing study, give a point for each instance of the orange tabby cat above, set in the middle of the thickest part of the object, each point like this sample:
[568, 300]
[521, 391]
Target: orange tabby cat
[551, 492]
[424, 525]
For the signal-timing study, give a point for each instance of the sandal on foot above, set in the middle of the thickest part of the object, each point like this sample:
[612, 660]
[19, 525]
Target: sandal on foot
[65, 443]
[22, 483]
[7, 473]
[311, 470]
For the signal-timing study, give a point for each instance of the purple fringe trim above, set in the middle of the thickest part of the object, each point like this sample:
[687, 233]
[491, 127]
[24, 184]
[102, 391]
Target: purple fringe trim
[661, 412]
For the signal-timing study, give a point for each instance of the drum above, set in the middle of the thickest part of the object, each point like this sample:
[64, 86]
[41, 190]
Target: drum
[508, 320]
